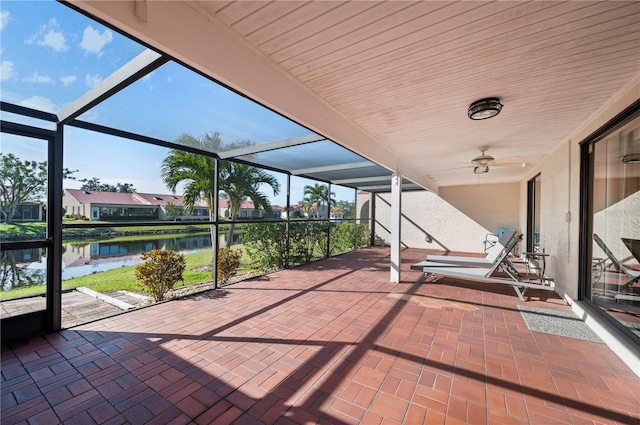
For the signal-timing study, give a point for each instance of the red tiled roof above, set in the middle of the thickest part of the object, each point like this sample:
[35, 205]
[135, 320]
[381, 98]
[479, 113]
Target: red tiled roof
[224, 203]
[116, 198]
[160, 199]
[96, 197]
[163, 199]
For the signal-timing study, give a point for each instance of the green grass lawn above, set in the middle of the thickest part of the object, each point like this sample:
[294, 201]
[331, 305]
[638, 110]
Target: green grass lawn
[123, 278]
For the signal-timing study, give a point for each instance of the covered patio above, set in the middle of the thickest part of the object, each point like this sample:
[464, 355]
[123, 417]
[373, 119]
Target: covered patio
[328, 342]
[376, 101]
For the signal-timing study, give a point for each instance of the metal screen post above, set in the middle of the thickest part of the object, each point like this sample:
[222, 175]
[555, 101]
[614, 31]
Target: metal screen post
[215, 241]
[396, 208]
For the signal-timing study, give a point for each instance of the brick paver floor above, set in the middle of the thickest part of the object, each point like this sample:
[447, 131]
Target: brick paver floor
[331, 342]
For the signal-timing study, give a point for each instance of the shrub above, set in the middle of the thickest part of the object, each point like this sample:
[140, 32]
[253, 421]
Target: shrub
[342, 236]
[308, 240]
[267, 245]
[160, 271]
[228, 262]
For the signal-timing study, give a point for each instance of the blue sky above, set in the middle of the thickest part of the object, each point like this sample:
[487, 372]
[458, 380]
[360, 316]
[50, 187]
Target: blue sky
[50, 55]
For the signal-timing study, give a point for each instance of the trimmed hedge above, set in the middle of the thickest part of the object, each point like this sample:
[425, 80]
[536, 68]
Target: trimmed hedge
[266, 243]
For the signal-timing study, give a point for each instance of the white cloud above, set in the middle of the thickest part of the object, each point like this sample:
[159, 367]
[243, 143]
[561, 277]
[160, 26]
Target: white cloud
[68, 79]
[40, 103]
[55, 40]
[48, 36]
[92, 80]
[4, 19]
[93, 41]
[147, 79]
[37, 78]
[6, 71]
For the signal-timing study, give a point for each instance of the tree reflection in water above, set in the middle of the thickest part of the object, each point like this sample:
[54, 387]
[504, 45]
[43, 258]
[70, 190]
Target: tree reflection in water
[15, 272]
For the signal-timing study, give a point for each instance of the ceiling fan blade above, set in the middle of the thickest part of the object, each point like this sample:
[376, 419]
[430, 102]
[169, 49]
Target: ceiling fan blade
[512, 159]
[459, 168]
[511, 164]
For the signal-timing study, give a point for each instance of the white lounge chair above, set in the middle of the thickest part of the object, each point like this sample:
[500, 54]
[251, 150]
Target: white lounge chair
[507, 242]
[502, 271]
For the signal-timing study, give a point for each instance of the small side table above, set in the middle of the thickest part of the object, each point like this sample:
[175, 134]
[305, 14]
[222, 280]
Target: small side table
[540, 258]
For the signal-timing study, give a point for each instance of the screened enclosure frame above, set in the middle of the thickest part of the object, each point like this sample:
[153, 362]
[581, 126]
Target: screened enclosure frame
[48, 320]
[296, 156]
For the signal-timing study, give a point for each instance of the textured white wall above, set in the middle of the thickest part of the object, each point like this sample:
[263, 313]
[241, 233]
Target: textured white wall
[491, 206]
[463, 227]
[559, 223]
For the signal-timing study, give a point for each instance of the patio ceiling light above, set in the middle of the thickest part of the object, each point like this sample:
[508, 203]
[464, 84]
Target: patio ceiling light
[481, 169]
[484, 108]
[632, 158]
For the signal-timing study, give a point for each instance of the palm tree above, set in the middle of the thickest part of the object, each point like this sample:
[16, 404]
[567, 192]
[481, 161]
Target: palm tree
[306, 205]
[242, 182]
[197, 172]
[318, 195]
[238, 182]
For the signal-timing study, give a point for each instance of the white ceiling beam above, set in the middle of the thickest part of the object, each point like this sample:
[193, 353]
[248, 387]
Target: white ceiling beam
[129, 73]
[387, 187]
[329, 168]
[278, 144]
[364, 180]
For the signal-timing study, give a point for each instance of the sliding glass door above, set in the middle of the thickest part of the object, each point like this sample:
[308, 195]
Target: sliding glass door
[612, 229]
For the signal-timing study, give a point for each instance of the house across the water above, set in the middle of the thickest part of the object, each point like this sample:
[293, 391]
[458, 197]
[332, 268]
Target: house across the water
[28, 210]
[113, 206]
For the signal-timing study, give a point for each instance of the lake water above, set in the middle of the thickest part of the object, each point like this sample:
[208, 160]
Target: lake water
[27, 267]
[80, 259]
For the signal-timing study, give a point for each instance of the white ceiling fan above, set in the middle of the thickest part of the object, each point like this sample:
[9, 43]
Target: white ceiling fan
[482, 162]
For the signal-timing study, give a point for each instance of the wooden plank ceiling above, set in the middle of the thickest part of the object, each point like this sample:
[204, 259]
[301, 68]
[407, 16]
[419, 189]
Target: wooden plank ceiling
[405, 72]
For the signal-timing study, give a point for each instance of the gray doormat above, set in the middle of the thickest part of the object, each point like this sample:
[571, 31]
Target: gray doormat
[557, 323]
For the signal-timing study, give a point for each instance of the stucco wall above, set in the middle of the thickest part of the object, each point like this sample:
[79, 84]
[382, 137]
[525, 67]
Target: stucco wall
[71, 205]
[457, 220]
[490, 205]
[559, 231]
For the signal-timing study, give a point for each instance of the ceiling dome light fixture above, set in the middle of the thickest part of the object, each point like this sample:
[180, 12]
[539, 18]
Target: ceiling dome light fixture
[484, 108]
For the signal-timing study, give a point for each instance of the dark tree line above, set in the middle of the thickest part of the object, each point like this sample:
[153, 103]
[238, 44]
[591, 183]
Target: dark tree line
[95, 184]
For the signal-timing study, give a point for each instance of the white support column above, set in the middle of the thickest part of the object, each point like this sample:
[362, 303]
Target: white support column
[396, 208]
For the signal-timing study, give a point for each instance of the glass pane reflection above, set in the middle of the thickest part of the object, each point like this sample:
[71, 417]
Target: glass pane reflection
[23, 278]
[615, 273]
